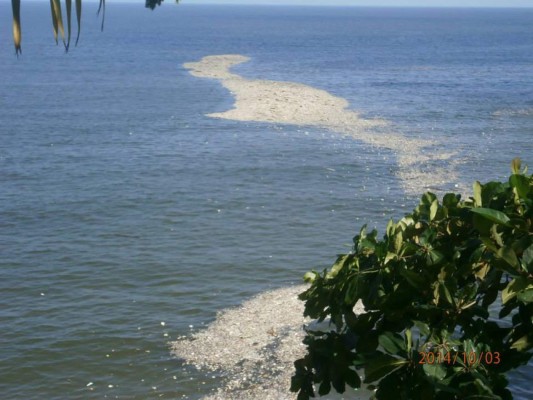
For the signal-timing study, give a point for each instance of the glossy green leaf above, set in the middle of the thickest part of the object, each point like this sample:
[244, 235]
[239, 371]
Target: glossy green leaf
[450, 200]
[391, 228]
[380, 366]
[521, 184]
[435, 371]
[444, 292]
[508, 254]
[522, 344]
[512, 289]
[338, 266]
[492, 215]
[478, 202]
[433, 209]
[310, 277]
[526, 296]
[527, 259]
[392, 343]
[435, 257]
[482, 224]
[408, 340]
[398, 241]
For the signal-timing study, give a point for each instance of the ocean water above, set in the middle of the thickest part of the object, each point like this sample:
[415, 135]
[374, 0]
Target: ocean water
[129, 218]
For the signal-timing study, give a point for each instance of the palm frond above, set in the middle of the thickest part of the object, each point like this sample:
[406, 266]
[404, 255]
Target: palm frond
[17, 35]
[78, 17]
[59, 18]
[68, 7]
[54, 19]
[101, 7]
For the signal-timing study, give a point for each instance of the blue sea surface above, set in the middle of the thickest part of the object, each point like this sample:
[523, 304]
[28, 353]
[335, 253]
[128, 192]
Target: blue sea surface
[129, 218]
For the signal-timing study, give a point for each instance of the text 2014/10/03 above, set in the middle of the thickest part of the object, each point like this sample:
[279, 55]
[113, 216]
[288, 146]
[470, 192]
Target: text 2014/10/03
[466, 358]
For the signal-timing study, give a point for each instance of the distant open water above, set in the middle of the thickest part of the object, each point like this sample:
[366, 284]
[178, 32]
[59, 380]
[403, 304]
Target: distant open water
[128, 218]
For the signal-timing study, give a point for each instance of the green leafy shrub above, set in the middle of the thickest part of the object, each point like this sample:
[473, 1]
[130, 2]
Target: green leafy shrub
[433, 289]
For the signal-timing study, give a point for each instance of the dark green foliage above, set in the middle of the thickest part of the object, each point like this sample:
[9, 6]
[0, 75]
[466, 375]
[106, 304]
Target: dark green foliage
[151, 4]
[427, 287]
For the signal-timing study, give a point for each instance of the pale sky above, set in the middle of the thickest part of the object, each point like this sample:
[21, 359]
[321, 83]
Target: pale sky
[366, 3]
[376, 3]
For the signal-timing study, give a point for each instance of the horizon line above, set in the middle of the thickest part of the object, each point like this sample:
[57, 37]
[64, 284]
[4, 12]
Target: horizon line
[325, 5]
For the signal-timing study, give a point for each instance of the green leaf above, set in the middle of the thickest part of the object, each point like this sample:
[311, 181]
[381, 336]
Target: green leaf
[391, 228]
[337, 267]
[352, 378]
[408, 340]
[435, 371]
[435, 257]
[433, 209]
[324, 387]
[398, 241]
[392, 343]
[521, 184]
[492, 215]
[444, 291]
[422, 327]
[390, 256]
[511, 290]
[477, 194]
[507, 253]
[428, 198]
[482, 224]
[310, 277]
[515, 165]
[522, 344]
[415, 279]
[526, 296]
[450, 200]
[527, 259]
[380, 366]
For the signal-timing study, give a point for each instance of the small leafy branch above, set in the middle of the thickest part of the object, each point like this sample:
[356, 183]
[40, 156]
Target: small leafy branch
[430, 289]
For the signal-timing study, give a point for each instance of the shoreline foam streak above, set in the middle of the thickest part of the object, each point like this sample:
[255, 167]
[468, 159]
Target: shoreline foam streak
[298, 104]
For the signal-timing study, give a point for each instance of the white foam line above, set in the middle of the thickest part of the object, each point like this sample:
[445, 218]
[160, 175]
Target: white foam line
[298, 104]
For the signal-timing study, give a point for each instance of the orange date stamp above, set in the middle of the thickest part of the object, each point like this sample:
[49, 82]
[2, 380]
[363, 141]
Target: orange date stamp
[461, 357]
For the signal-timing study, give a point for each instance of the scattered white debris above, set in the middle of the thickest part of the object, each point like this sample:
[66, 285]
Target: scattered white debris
[163, 323]
[89, 384]
[419, 160]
